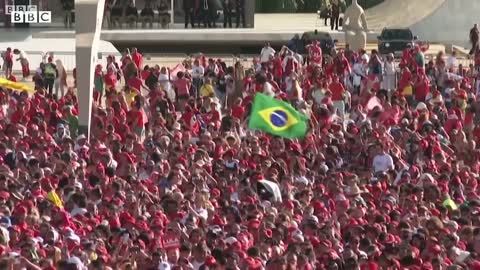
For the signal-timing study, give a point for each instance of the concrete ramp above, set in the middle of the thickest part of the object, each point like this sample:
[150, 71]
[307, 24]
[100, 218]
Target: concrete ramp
[450, 23]
[442, 21]
[400, 13]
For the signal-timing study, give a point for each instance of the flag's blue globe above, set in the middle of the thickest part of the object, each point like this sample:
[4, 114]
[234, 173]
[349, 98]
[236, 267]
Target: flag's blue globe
[279, 118]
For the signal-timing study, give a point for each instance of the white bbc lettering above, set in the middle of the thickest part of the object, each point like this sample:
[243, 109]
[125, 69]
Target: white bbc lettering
[20, 8]
[9, 9]
[28, 14]
[45, 17]
[31, 16]
[16, 17]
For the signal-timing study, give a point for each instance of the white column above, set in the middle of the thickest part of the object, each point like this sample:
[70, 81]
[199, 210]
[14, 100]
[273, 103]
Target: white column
[172, 8]
[87, 36]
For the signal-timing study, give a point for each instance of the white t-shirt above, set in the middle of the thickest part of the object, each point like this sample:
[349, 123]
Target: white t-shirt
[382, 163]
[451, 62]
[198, 72]
[318, 95]
[23, 57]
[203, 213]
[266, 53]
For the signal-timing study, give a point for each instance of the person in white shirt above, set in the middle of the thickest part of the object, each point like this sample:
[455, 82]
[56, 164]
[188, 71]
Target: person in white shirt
[452, 62]
[382, 162]
[166, 85]
[266, 53]
[23, 58]
[198, 71]
[358, 73]
[389, 74]
[61, 80]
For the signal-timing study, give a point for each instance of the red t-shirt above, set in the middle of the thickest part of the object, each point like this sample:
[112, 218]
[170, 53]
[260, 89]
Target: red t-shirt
[9, 56]
[277, 68]
[405, 79]
[238, 112]
[183, 86]
[137, 59]
[337, 90]
[422, 88]
[315, 54]
[135, 83]
[145, 74]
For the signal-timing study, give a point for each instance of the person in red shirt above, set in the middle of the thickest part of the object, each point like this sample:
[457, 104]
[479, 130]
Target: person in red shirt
[342, 66]
[136, 83]
[213, 116]
[137, 57]
[182, 87]
[277, 68]
[137, 119]
[406, 80]
[238, 110]
[146, 72]
[422, 87]
[8, 62]
[338, 95]
[315, 53]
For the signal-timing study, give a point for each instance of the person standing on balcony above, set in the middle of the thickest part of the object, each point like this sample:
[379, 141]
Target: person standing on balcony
[68, 6]
[188, 8]
[205, 13]
[240, 10]
[228, 6]
[325, 10]
[335, 14]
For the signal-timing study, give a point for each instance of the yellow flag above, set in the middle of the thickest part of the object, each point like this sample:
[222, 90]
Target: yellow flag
[53, 197]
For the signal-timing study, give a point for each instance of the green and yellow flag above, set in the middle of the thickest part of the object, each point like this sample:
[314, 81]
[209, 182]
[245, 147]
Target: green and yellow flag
[277, 117]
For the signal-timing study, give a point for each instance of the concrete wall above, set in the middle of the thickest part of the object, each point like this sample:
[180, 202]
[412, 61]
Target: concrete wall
[451, 23]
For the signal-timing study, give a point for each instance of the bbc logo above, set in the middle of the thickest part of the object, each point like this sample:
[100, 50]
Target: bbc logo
[31, 17]
[27, 14]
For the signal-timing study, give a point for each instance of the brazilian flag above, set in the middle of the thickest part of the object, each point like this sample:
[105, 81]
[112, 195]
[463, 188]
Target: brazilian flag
[277, 117]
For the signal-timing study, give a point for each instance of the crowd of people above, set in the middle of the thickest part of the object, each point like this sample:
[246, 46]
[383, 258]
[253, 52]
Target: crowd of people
[172, 178]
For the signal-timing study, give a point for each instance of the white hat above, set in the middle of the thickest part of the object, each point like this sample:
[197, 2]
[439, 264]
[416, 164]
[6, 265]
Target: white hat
[81, 137]
[302, 180]
[74, 238]
[231, 240]
[176, 126]
[421, 106]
